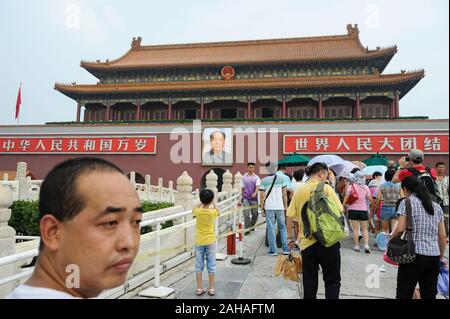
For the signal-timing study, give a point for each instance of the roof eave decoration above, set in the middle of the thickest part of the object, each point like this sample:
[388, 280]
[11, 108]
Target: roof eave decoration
[408, 80]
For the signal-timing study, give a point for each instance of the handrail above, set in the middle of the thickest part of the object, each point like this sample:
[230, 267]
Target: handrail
[20, 275]
[20, 237]
[18, 257]
[228, 199]
[159, 232]
[152, 222]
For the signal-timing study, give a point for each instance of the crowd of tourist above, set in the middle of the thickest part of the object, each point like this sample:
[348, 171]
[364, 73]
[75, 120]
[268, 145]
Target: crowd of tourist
[374, 203]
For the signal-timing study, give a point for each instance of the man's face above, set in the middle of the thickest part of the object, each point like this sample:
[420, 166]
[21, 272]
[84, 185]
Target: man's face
[440, 169]
[217, 142]
[103, 239]
[250, 169]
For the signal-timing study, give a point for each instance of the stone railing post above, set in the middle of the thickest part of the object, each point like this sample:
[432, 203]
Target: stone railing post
[183, 197]
[15, 190]
[21, 177]
[171, 192]
[237, 181]
[7, 240]
[29, 184]
[148, 184]
[211, 183]
[160, 189]
[227, 183]
[5, 177]
[133, 178]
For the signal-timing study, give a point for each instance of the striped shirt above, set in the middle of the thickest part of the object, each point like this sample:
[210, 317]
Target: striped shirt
[390, 193]
[275, 199]
[425, 226]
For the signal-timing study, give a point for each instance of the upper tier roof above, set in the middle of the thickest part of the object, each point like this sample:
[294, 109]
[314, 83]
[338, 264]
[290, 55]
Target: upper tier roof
[292, 50]
[408, 79]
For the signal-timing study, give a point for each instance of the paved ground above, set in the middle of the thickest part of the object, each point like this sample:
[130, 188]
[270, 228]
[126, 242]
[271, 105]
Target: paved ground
[256, 281]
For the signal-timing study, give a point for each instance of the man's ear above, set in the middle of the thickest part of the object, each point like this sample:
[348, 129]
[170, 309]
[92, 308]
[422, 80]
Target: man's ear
[50, 232]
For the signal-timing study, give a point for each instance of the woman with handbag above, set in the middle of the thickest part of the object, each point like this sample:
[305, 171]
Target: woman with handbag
[423, 221]
[355, 202]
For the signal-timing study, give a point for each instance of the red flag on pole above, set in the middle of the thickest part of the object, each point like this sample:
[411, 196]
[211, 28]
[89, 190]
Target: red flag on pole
[19, 101]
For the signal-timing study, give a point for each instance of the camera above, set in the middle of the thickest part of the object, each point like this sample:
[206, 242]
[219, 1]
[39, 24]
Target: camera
[407, 159]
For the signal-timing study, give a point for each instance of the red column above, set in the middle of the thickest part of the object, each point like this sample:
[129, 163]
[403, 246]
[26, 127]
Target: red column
[138, 110]
[397, 105]
[108, 110]
[284, 107]
[358, 106]
[202, 108]
[392, 108]
[249, 108]
[169, 113]
[78, 111]
[320, 110]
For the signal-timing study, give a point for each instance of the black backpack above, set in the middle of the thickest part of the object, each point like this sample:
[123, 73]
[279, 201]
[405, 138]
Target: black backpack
[427, 179]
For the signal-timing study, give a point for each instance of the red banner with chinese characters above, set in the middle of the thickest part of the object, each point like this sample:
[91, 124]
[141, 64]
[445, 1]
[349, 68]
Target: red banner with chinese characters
[357, 144]
[78, 145]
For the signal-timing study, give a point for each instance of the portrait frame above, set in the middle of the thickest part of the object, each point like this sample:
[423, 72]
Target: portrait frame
[214, 159]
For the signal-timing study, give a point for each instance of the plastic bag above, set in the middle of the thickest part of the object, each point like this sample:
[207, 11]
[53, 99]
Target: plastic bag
[289, 266]
[382, 240]
[279, 265]
[346, 227]
[442, 285]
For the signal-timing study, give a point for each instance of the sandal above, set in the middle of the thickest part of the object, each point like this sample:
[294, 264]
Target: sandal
[200, 292]
[211, 292]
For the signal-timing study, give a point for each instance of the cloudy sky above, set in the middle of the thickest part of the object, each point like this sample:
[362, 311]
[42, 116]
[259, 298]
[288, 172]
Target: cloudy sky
[44, 41]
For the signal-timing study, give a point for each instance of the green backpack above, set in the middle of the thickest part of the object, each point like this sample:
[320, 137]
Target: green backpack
[322, 218]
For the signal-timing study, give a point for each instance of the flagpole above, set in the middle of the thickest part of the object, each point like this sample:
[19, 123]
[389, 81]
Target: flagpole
[18, 114]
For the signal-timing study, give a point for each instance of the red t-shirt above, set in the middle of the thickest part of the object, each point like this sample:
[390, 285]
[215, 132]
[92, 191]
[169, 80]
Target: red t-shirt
[405, 173]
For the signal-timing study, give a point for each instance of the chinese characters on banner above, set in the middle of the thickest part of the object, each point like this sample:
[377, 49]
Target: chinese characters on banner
[78, 145]
[393, 144]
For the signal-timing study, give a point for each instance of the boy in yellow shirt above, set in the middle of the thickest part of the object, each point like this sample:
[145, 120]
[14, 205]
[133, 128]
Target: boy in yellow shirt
[205, 240]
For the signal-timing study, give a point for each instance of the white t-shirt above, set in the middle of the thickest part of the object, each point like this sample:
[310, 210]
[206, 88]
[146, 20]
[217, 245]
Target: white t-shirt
[29, 292]
[275, 199]
[296, 185]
